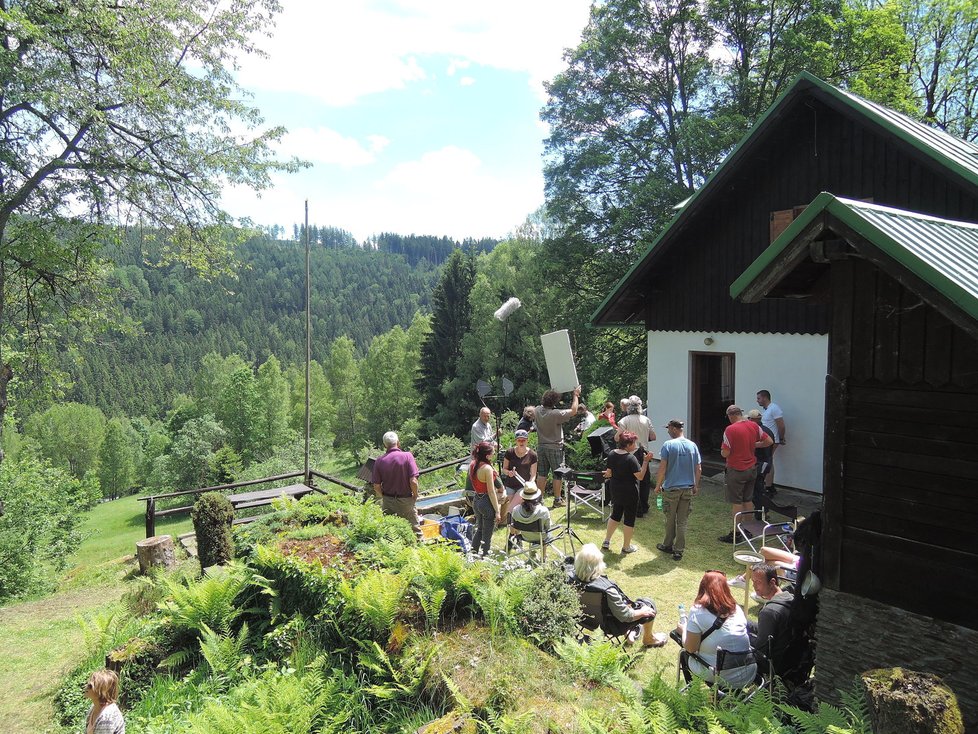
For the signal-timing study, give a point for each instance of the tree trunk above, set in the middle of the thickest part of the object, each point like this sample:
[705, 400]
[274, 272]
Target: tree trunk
[155, 552]
[6, 375]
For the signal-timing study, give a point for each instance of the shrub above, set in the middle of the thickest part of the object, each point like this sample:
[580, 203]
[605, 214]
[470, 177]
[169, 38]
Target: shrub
[550, 611]
[212, 515]
[42, 508]
[438, 450]
[302, 587]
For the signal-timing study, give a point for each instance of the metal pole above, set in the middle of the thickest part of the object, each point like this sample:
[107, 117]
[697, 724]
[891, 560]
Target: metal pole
[306, 477]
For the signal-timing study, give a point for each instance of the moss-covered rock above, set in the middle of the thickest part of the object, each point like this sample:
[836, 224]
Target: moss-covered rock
[451, 723]
[909, 702]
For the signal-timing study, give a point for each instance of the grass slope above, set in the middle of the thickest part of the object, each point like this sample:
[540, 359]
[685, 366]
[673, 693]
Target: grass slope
[41, 639]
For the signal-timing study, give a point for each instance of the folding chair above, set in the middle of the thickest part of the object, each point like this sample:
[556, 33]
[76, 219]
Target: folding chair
[590, 494]
[750, 531]
[719, 684]
[535, 535]
[592, 612]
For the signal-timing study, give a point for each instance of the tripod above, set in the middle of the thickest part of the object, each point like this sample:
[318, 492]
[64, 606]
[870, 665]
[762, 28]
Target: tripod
[567, 534]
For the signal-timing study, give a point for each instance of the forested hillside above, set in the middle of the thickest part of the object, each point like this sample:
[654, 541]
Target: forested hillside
[359, 292]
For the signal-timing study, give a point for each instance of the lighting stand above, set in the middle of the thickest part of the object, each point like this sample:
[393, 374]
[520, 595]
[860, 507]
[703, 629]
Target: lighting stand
[567, 534]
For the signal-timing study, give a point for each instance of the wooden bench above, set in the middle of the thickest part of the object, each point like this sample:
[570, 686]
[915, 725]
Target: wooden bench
[262, 497]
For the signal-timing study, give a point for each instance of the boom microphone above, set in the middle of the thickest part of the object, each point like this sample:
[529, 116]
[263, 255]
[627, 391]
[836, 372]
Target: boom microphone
[507, 309]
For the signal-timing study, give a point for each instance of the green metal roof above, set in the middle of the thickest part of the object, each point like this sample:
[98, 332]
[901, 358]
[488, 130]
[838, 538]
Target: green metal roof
[955, 155]
[941, 252]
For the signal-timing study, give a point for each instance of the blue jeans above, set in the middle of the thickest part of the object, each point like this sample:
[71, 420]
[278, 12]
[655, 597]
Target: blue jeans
[485, 523]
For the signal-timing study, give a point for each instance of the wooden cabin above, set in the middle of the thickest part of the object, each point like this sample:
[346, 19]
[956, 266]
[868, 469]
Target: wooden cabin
[706, 350]
[900, 539]
[833, 259]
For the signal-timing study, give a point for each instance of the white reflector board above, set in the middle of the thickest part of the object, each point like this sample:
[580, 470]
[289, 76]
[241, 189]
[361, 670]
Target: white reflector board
[560, 360]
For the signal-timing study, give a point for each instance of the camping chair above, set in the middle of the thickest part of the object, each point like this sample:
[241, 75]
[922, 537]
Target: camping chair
[590, 494]
[755, 534]
[535, 535]
[720, 688]
[589, 623]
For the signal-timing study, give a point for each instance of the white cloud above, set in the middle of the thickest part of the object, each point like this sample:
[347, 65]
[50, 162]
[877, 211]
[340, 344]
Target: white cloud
[443, 192]
[340, 52]
[466, 81]
[323, 145]
[456, 64]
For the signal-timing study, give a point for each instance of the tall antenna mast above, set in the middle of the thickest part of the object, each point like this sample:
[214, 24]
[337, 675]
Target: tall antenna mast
[306, 475]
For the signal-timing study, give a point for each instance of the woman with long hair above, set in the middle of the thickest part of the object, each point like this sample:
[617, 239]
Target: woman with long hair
[519, 467]
[103, 716]
[715, 621]
[625, 472]
[486, 505]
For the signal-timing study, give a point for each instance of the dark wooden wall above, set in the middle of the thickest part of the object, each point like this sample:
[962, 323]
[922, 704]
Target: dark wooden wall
[814, 148]
[901, 449]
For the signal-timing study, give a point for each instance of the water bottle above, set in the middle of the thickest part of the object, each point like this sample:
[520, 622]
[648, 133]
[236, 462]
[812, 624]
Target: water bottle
[682, 617]
[658, 502]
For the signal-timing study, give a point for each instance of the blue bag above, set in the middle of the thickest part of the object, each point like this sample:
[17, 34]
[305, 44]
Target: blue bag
[454, 527]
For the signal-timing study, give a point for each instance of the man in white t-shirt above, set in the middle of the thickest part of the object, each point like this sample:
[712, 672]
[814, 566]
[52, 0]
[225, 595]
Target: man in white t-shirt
[772, 418]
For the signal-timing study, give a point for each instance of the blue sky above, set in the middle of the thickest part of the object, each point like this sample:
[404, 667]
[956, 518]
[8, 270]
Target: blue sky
[419, 116]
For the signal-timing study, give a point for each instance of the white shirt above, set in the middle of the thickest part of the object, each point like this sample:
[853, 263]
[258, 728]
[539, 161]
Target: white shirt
[769, 418]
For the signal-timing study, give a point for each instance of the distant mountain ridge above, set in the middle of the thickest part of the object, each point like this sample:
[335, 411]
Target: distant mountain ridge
[361, 291]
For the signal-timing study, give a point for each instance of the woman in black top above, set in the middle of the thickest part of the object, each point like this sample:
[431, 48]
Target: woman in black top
[625, 472]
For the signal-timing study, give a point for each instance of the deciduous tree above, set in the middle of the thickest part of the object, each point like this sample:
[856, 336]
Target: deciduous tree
[112, 113]
[116, 469]
[70, 436]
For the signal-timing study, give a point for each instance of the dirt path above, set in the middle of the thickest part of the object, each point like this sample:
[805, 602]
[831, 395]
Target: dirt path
[39, 642]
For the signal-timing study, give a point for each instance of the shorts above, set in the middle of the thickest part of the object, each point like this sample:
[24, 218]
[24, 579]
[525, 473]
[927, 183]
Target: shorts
[548, 459]
[740, 485]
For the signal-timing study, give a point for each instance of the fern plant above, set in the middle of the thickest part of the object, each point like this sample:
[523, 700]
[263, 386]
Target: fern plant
[602, 662]
[275, 703]
[387, 678]
[208, 603]
[376, 597]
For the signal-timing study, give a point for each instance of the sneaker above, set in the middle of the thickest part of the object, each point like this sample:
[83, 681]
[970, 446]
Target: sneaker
[677, 555]
[558, 502]
[728, 538]
[738, 583]
[606, 545]
[629, 549]
[664, 548]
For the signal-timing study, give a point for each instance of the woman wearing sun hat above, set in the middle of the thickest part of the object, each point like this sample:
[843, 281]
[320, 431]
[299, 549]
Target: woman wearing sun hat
[530, 508]
[519, 467]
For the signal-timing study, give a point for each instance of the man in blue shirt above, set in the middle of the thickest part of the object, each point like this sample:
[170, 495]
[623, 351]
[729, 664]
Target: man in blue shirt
[680, 468]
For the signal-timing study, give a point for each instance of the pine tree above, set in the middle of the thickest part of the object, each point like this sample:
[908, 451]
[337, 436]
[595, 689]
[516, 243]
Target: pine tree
[441, 350]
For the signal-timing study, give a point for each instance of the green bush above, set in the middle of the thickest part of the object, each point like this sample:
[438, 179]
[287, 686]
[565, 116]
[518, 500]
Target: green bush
[42, 508]
[302, 588]
[212, 515]
[549, 611]
[434, 451]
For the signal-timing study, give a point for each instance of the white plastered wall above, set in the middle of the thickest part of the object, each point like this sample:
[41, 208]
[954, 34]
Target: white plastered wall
[791, 366]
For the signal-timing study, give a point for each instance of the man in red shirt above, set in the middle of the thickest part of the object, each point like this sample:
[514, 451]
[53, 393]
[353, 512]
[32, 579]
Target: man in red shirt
[739, 441]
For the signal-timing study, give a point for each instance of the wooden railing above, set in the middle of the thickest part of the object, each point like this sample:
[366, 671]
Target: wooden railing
[152, 513]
